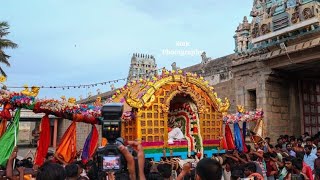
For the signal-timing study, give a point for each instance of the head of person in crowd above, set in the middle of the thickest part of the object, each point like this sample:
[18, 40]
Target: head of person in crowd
[306, 135]
[51, 171]
[279, 141]
[154, 176]
[278, 147]
[297, 164]
[81, 166]
[286, 138]
[236, 173]
[249, 169]
[309, 141]
[227, 164]
[248, 147]
[267, 139]
[289, 147]
[165, 170]
[267, 156]
[281, 164]
[253, 157]
[50, 156]
[147, 167]
[288, 163]
[273, 149]
[317, 173]
[89, 165]
[307, 149]
[299, 142]
[208, 169]
[318, 152]
[72, 171]
[257, 146]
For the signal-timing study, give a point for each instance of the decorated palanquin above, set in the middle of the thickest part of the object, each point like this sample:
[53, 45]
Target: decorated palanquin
[170, 101]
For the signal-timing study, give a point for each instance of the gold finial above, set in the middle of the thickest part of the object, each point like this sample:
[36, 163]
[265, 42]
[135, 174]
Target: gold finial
[240, 109]
[3, 79]
[72, 100]
[34, 91]
[224, 107]
[63, 98]
[98, 101]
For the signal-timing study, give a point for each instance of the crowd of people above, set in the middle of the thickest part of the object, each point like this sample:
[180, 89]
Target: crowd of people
[289, 158]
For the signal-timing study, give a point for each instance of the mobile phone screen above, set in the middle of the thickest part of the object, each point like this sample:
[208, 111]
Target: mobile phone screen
[111, 162]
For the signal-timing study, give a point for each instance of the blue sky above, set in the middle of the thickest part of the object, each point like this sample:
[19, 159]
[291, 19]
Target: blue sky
[82, 42]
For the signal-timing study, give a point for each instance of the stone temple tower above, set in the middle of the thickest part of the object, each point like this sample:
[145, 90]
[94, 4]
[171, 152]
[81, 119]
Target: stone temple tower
[142, 66]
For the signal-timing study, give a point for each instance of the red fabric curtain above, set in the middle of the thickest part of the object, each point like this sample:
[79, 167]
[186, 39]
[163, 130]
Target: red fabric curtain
[44, 140]
[229, 138]
[67, 149]
[5, 116]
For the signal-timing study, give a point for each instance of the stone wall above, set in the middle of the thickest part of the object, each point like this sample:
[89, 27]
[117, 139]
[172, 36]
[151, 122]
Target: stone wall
[227, 89]
[271, 92]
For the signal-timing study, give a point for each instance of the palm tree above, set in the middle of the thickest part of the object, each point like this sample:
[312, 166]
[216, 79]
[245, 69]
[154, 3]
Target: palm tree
[5, 43]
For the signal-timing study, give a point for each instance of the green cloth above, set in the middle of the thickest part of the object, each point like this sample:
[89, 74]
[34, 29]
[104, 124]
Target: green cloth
[7, 141]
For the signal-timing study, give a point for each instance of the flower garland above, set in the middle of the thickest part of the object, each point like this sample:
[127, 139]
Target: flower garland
[243, 117]
[78, 112]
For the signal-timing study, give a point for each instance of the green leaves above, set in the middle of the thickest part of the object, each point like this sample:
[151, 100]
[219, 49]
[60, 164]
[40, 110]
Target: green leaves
[4, 44]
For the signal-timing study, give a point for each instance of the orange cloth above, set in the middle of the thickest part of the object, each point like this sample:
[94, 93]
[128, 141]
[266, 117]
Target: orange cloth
[3, 126]
[27, 177]
[67, 149]
[104, 142]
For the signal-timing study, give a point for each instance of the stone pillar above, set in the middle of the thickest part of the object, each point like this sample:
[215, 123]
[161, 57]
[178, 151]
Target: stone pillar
[294, 108]
[276, 107]
[55, 133]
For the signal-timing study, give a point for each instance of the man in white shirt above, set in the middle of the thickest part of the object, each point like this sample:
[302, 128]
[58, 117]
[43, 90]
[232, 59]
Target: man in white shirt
[175, 134]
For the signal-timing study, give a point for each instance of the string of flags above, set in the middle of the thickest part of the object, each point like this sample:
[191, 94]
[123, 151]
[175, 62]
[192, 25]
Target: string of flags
[64, 87]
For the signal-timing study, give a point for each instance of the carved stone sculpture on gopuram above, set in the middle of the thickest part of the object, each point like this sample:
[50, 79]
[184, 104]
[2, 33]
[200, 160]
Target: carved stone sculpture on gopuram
[275, 22]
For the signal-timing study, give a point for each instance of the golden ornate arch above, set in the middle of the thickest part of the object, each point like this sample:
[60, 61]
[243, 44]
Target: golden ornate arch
[186, 82]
